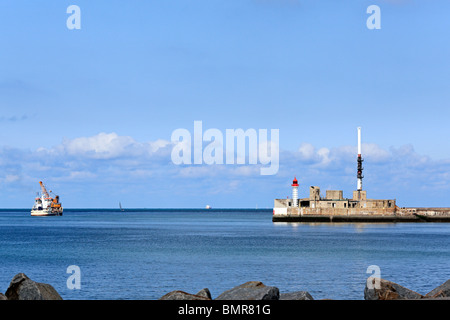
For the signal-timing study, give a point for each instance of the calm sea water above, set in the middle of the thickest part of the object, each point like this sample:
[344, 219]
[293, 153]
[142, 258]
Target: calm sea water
[143, 254]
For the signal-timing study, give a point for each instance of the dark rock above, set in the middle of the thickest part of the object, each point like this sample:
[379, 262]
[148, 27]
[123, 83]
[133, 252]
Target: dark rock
[23, 288]
[3, 297]
[181, 295]
[443, 291]
[297, 295]
[252, 290]
[204, 293]
[388, 291]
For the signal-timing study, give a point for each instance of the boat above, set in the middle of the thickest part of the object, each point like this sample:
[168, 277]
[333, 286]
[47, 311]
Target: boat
[208, 206]
[46, 205]
[120, 206]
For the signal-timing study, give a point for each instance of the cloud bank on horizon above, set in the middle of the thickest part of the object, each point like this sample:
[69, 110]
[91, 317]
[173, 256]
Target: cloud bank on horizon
[99, 170]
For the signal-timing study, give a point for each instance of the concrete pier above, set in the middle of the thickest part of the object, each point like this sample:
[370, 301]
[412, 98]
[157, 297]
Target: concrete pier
[360, 219]
[392, 216]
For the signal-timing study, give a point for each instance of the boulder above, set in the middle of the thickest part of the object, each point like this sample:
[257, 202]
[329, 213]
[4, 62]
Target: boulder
[252, 290]
[204, 293]
[23, 288]
[297, 295]
[388, 291]
[443, 291]
[3, 297]
[181, 295]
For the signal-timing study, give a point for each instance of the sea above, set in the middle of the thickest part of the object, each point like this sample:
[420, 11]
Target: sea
[142, 254]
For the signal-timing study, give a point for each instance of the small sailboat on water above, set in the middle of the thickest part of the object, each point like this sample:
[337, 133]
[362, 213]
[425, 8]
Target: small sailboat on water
[120, 206]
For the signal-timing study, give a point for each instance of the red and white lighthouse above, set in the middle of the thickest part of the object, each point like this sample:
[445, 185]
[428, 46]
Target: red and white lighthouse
[295, 192]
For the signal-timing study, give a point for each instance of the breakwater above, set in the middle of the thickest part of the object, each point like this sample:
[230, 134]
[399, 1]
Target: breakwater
[360, 215]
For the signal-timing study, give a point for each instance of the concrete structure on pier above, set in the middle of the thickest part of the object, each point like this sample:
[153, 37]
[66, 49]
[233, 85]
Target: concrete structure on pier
[335, 208]
[333, 203]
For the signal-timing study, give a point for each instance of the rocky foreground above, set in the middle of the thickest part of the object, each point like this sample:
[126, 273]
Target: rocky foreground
[255, 290]
[23, 288]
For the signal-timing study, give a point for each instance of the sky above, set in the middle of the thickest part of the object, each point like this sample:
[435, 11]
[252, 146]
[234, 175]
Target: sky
[91, 111]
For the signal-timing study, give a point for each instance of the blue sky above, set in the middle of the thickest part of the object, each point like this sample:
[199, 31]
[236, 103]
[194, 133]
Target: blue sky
[91, 111]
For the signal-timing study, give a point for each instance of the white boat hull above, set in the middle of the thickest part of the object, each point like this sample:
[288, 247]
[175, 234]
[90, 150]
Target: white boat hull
[43, 213]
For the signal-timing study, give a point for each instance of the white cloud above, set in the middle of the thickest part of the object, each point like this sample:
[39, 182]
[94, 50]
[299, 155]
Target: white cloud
[307, 151]
[109, 146]
[158, 144]
[308, 154]
[102, 145]
[80, 175]
[324, 157]
[10, 178]
[375, 153]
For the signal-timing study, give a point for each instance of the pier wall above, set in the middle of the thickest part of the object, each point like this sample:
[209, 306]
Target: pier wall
[292, 214]
[339, 211]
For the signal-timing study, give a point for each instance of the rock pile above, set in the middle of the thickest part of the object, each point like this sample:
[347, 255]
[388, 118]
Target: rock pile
[252, 290]
[387, 290]
[23, 288]
[256, 290]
